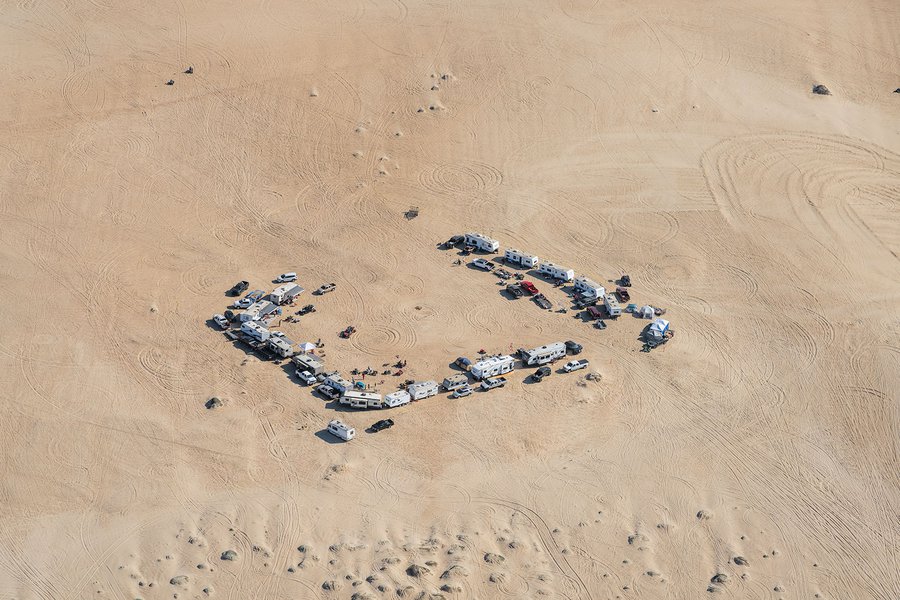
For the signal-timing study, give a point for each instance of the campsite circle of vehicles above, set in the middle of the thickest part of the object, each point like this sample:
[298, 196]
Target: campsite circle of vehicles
[488, 371]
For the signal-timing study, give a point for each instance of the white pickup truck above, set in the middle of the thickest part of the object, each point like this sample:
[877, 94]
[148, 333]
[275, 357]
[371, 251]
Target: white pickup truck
[575, 365]
[483, 264]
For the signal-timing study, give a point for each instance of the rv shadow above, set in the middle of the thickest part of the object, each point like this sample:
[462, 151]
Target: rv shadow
[326, 437]
[338, 407]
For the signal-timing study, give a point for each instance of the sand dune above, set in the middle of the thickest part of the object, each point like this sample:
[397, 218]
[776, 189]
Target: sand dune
[754, 456]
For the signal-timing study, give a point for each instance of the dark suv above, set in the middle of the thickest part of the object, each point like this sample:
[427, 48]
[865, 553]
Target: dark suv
[383, 424]
[239, 288]
[539, 375]
[573, 347]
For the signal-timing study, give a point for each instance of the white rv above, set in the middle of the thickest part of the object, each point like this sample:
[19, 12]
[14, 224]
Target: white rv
[520, 258]
[339, 429]
[281, 346]
[422, 389]
[543, 354]
[258, 310]
[556, 271]
[454, 381]
[398, 398]
[613, 309]
[337, 383]
[285, 293]
[481, 242]
[358, 399]
[255, 330]
[492, 366]
[589, 288]
[308, 362]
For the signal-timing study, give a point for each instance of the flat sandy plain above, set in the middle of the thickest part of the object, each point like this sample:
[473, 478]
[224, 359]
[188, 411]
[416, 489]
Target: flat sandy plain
[677, 141]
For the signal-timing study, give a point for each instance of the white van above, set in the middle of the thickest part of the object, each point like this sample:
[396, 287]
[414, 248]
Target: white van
[339, 429]
[286, 278]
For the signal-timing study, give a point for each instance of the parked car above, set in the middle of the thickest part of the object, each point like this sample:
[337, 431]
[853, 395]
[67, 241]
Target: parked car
[502, 273]
[221, 321]
[239, 288]
[575, 365]
[462, 392]
[515, 289]
[623, 294]
[325, 288]
[306, 377]
[463, 363]
[493, 382]
[328, 391]
[307, 309]
[483, 264]
[348, 332]
[242, 303]
[573, 347]
[529, 287]
[382, 425]
[286, 278]
[229, 315]
[625, 281]
[541, 300]
[539, 375]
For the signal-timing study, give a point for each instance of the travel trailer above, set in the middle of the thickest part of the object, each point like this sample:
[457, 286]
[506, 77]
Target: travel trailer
[556, 272]
[337, 383]
[257, 331]
[481, 242]
[357, 399]
[339, 429]
[543, 354]
[454, 381]
[281, 345]
[613, 308]
[422, 389]
[517, 257]
[308, 362]
[284, 294]
[258, 310]
[494, 365]
[588, 288]
[398, 398]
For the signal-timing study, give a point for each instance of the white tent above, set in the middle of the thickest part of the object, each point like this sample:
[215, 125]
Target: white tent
[658, 329]
[307, 347]
[646, 312]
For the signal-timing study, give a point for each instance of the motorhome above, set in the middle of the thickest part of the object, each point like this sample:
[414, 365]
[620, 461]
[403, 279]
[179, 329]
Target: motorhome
[543, 354]
[309, 362]
[422, 389]
[481, 242]
[357, 399]
[491, 366]
[553, 271]
[257, 331]
[517, 257]
[285, 294]
[454, 381]
[337, 383]
[339, 429]
[281, 346]
[588, 288]
[398, 398]
[613, 308]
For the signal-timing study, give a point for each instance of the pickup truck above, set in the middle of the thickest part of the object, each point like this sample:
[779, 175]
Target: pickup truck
[515, 289]
[529, 287]
[541, 300]
[328, 391]
[306, 377]
[239, 288]
[493, 382]
[575, 365]
[623, 294]
[483, 264]
[324, 289]
[502, 273]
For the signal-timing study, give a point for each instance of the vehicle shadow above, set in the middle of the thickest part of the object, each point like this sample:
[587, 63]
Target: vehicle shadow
[328, 438]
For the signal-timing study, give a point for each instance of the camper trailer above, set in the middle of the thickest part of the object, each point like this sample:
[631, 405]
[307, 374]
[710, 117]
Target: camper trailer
[398, 398]
[492, 366]
[257, 331]
[337, 383]
[281, 346]
[357, 399]
[284, 294]
[543, 354]
[481, 242]
[258, 310]
[454, 381]
[422, 389]
[556, 272]
[613, 308]
[589, 289]
[339, 429]
[308, 362]
[517, 257]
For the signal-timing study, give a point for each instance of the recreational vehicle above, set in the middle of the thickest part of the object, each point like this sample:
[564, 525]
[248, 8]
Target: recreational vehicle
[337, 383]
[422, 389]
[358, 399]
[613, 309]
[454, 381]
[588, 288]
[257, 331]
[543, 354]
[517, 257]
[308, 362]
[281, 346]
[258, 310]
[556, 272]
[398, 398]
[481, 242]
[284, 294]
[494, 365]
[339, 429]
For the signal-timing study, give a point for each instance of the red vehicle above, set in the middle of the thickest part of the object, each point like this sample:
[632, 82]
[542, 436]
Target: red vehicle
[623, 294]
[593, 312]
[529, 287]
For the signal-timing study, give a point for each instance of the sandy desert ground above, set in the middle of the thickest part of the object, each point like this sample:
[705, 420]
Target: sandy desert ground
[754, 456]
